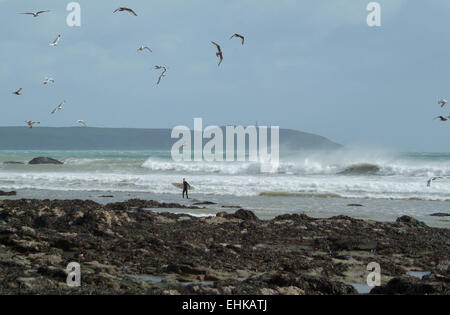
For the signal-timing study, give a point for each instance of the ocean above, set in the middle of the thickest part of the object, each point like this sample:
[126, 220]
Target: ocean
[386, 184]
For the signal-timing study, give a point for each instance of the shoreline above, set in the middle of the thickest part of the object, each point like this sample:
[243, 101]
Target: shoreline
[264, 207]
[123, 248]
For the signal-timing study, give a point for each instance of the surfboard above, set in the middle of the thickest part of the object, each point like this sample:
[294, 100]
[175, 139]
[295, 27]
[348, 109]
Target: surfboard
[180, 185]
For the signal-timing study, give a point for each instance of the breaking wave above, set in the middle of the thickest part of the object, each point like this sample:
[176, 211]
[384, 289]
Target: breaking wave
[303, 167]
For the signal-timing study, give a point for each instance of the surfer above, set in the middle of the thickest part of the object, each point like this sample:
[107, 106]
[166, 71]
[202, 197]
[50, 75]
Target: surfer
[185, 188]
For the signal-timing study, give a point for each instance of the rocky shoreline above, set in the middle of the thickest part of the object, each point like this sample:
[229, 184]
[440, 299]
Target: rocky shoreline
[124, 248]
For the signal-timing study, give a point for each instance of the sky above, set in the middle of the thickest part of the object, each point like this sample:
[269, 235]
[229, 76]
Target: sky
[309, 65]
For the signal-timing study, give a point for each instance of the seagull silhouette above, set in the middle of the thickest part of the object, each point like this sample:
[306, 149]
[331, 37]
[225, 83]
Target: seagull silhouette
[432, 179]
[239, 36]
[442, 102]
[82, 122]
[30, 123]
[35, 14]
[47, 80]
[142, 48]
[125, 9]
[18, 92]
[442, 118]
[163, 73]
[59, 107]
[56, 41]
[219, 53]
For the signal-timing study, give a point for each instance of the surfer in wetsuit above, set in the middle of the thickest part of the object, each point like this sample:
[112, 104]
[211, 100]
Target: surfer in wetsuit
[185, 188]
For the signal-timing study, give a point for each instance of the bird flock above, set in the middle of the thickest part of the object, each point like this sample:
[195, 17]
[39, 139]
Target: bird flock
[219, 55]
[441, 102]
[47, 80]
[162, 68]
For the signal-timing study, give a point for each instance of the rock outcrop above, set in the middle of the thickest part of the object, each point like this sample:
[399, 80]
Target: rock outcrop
[44, 160]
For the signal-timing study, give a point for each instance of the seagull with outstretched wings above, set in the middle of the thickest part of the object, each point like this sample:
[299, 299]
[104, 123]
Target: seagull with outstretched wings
[239, 36]
[163, 73]
[432, 179]
[142, 48]
[59, 107]
[121, 9]
[219, 53]
[30, 123]
[443, 118]
[56, 41]
[35, 14]
[82, 122]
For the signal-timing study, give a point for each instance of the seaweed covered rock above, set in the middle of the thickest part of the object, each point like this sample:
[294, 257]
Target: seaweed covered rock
[44, 160]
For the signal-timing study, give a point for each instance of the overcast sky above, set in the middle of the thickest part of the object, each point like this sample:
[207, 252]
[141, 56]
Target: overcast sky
[310, 65]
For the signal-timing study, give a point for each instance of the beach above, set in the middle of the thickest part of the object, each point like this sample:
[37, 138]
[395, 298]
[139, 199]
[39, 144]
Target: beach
[387, 185]
[138, 247]
[242, 231]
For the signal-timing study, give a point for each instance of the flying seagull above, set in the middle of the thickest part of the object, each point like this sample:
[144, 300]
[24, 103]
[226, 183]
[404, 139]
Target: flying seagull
[433, 179]
[30, 123]
[219, 53]
[144, 47]
[35, 14]
[125, 9]
[163, 73]
[442, 102]
[82, 122]
[18, 92]
[48, 80]
[56, 41]
[239, 36]
[59, 107]
[442, 118]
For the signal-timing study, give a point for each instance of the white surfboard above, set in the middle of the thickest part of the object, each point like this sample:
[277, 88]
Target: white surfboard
[180, 185]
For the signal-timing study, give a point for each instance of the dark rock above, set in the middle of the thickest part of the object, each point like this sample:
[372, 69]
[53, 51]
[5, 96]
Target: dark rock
[310, 284]
[440, 215]
[58, 273]
[13, 163]
[143, 204]
[293, 217]
[44, 160]
[291, 254]
[245, 215]
[7, 193]
[354, 205]
[410, 221]
[409, 286]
